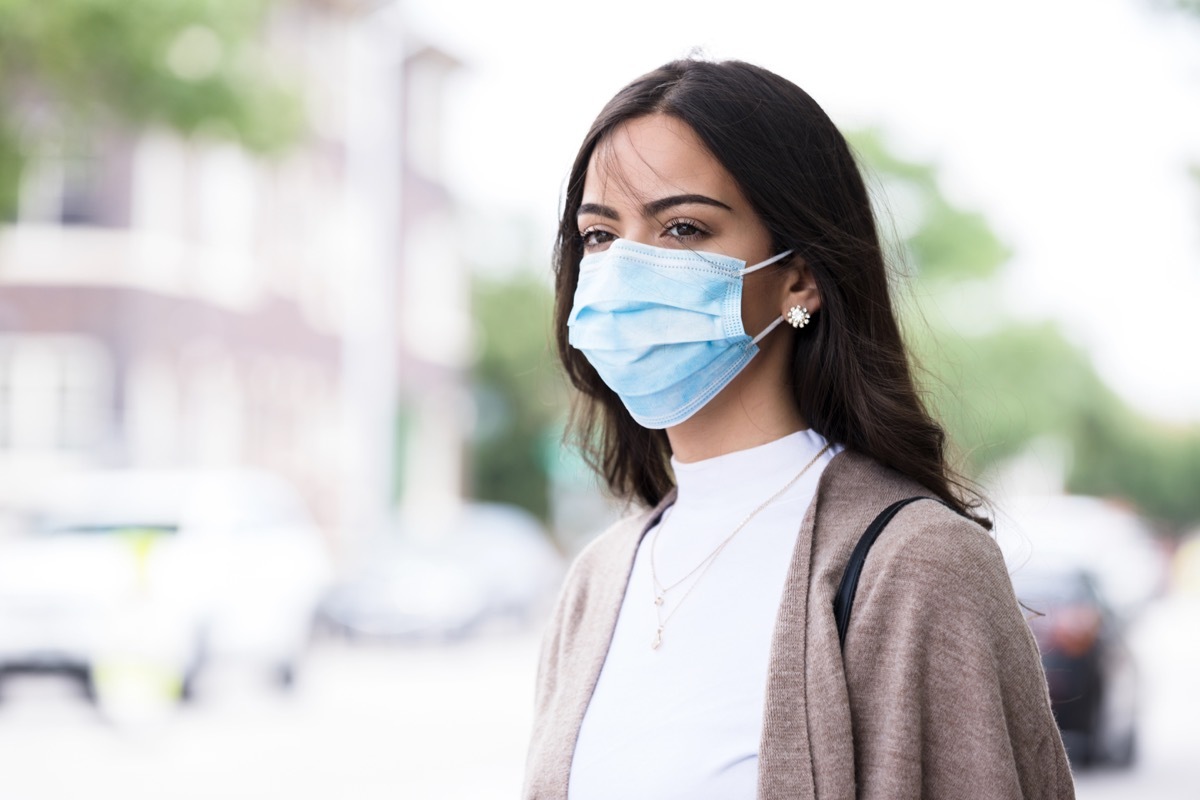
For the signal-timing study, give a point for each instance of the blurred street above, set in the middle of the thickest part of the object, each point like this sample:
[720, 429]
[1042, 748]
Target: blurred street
[438, 722]
[426, 721]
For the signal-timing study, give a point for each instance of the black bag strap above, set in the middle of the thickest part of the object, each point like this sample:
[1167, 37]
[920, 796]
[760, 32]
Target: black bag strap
[843, 601]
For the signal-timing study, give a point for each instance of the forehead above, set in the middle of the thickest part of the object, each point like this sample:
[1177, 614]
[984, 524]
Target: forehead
[651, 157]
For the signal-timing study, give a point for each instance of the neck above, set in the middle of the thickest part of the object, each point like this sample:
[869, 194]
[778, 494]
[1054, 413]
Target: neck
[736, 419]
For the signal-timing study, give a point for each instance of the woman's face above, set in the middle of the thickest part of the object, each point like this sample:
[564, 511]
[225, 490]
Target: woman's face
[654, 182]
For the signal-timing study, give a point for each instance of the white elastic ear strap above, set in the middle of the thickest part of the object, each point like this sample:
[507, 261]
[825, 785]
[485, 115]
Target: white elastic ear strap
[768, 262]
[767, 330]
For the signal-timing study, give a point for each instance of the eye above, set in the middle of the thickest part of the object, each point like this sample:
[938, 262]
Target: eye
[595, 239]
[685, 229]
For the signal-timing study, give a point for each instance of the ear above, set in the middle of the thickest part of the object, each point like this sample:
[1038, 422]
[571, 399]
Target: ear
[799, 288]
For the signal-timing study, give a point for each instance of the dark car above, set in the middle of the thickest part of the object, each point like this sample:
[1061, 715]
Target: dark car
[1089, 667]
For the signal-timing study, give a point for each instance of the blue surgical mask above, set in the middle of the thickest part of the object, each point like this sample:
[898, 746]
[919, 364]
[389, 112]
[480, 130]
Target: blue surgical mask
[663, 328]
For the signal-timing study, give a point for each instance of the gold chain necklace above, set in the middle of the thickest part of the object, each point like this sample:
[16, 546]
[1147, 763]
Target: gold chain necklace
[660, 591]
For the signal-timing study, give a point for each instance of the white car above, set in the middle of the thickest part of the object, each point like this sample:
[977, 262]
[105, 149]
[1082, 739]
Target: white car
[160, 573]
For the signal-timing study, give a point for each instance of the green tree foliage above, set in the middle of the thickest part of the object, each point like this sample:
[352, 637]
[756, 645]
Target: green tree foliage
[519, 393]
[941, 241]
[1001, 389]
[194, 66]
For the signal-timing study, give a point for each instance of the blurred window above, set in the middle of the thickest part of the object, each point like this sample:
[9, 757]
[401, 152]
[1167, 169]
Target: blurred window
[62, 188]
[53, 392]
[79, 192]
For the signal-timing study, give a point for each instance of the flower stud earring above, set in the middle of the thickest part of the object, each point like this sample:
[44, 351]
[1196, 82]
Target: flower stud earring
[798, 316]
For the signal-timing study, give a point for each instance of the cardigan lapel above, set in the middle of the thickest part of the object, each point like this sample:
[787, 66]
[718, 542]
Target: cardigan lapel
[785, 760]
[604, 597]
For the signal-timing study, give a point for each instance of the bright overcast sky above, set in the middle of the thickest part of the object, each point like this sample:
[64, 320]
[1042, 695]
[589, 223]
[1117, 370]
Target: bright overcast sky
[1069, 123]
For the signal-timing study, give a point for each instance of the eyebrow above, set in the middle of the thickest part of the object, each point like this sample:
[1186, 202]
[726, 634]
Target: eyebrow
[654, 207]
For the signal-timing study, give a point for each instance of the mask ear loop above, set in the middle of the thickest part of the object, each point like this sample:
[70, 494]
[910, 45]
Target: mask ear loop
[767, 330]
[768, 262]
[759, 266]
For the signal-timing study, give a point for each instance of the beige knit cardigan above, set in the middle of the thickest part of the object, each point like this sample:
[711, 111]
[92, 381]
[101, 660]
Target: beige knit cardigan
[940, 693]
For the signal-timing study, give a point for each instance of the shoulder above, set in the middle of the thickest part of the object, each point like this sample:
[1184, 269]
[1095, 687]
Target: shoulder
[933, 578]
[573, 648]
[928, 558]
[596, 579]
[943, 578]
[928, 537]
[855, 489]
[588, 602]
[611, 552]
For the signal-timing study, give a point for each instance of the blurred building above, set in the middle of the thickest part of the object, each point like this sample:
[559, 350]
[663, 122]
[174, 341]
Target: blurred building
[166, 302]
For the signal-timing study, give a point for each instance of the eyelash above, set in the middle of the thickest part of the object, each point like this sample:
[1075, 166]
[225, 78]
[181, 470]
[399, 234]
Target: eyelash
[699, 230]
[588, 235]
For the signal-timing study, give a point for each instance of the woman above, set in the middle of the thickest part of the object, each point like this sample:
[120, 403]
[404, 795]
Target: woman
[723, 310]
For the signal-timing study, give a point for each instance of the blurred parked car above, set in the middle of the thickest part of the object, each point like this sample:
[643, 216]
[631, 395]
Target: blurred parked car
[1089, 667]
[1111, 542]
[444, 579]
[158, 574]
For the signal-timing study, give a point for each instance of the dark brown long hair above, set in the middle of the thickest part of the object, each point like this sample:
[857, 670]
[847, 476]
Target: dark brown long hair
[850, 372]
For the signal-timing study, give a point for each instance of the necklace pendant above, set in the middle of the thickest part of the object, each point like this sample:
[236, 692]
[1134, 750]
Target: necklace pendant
[657, 640]
[658, 601]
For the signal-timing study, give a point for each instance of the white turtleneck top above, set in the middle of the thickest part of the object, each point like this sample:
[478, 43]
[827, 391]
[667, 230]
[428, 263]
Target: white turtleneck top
[684, 720]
